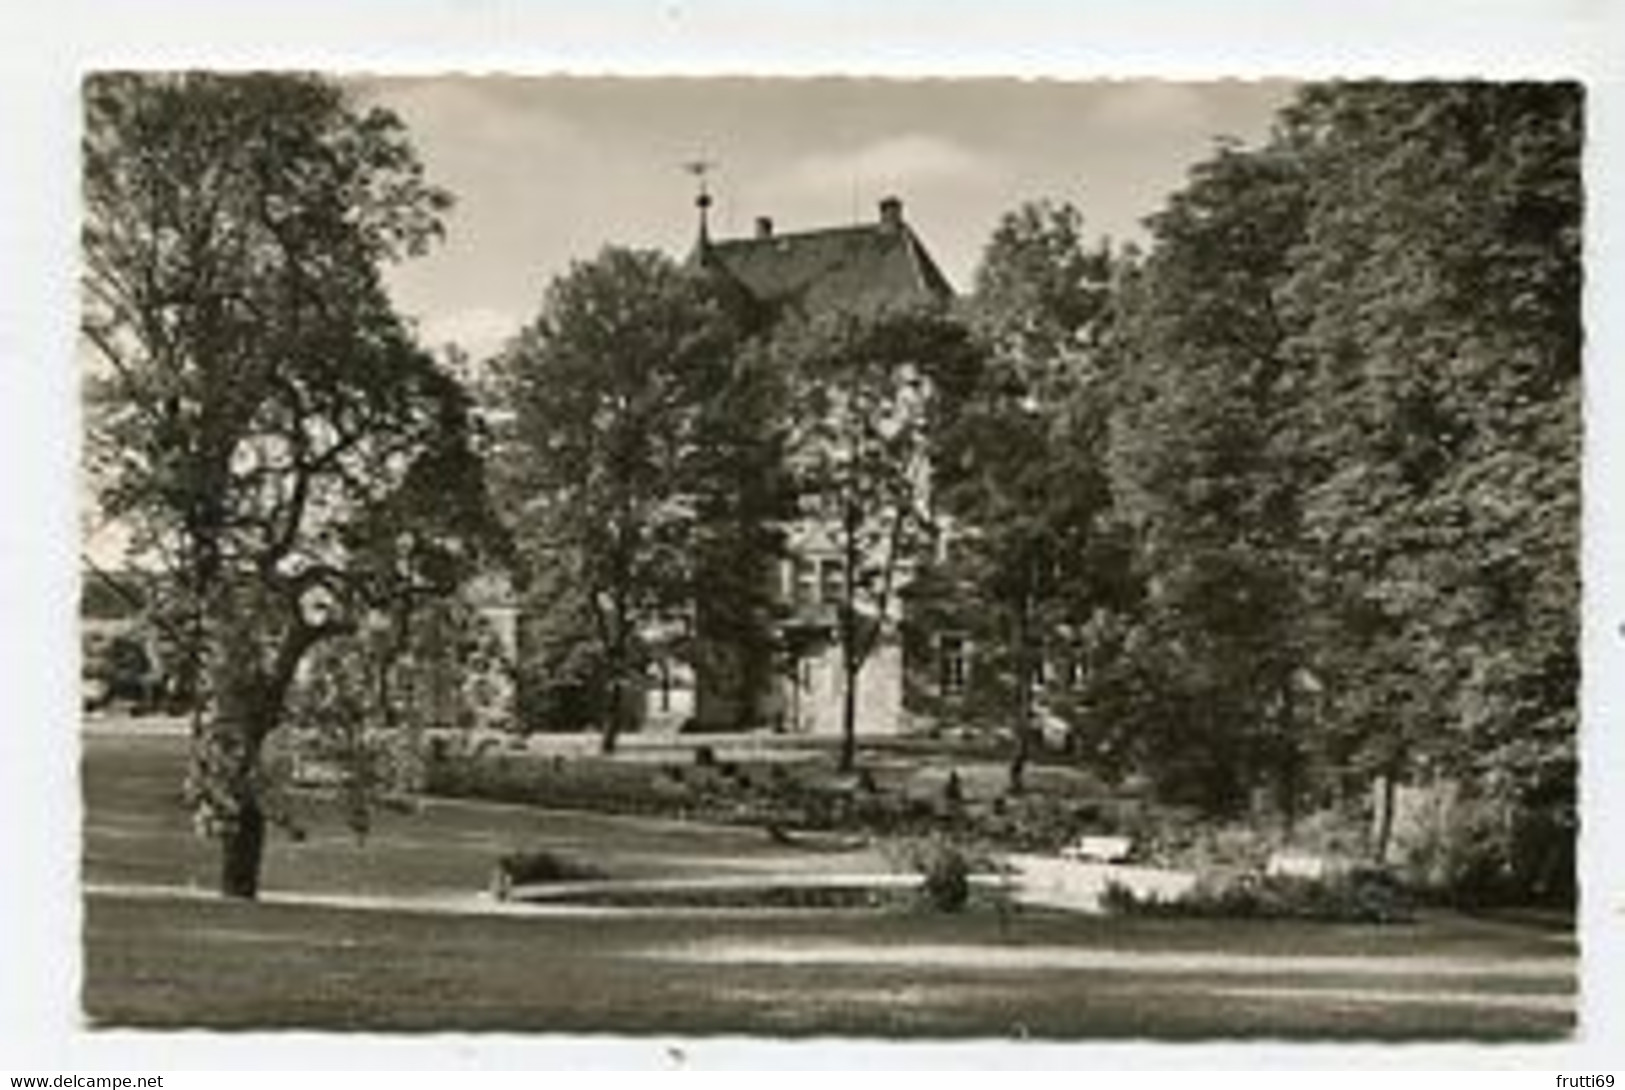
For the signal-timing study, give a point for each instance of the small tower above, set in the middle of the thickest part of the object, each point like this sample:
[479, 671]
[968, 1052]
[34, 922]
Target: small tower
[701, 168]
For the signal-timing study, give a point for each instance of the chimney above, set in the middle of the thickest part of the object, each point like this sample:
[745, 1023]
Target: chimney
[891, 214]
[764, 226]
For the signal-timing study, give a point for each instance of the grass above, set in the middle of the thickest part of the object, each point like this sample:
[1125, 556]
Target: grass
[137, 831]
[237, 966]
[175, 960]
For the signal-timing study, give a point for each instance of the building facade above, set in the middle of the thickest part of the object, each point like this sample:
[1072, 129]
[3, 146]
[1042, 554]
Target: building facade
[861, 270]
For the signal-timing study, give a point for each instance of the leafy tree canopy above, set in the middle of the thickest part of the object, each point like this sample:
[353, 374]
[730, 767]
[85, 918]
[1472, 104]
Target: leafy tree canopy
[259, 417]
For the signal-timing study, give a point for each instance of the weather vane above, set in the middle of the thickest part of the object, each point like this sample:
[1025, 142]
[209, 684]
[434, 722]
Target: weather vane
[700, 168]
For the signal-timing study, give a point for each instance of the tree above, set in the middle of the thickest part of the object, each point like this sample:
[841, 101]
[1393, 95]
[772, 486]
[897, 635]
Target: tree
[1436, 304]
[258, 415]
[1210, 490]
[1021, 468]
[1349, 444]
[866, 395]
[605, 468]
[744, 499]
[1042, 295]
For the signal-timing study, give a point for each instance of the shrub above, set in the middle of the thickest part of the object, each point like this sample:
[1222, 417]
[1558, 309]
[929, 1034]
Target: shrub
[584, 783]
[536, 867]
[945, 882]
[1358, 896]
[1475, 851]
[944, 867]
[1119, 900]
[1034, 822]
[769, 896]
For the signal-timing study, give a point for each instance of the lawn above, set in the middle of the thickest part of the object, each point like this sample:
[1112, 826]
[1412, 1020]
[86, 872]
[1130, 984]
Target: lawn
[393, 935]
[138, 832]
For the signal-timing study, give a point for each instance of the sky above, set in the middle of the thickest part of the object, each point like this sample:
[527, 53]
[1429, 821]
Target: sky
[546, 171]
[549, 170]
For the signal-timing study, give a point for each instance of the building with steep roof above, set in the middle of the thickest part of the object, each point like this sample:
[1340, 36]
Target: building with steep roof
[862, 269]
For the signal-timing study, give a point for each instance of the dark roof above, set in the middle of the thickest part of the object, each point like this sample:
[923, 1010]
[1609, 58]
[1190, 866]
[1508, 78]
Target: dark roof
[863, 268]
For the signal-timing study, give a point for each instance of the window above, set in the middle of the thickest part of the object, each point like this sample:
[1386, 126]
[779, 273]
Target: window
[1039, 669]
[951, 668]
[805, 590]
[831, 582]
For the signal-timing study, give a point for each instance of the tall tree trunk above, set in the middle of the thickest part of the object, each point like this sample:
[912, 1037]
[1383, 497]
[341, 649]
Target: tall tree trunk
[247, 700]
[1024, 695]
[1023, 726]
[618, 655]
[242, 850]
[1289, 759]
[612, 718]
[1385, 820]
[850, 662]
[755, 675]
[229, 768]
[849, 714]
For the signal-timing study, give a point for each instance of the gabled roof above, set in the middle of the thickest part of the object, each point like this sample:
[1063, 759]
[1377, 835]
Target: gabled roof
[862, 268]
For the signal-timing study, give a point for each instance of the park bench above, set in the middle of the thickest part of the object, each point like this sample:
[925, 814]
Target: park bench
[1296, 865]
[1099, 849]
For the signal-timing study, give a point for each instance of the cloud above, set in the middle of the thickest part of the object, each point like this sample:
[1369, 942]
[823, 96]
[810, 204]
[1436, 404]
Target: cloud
[1150, 105]
[460, 118]
[479, 331]
[906, 161]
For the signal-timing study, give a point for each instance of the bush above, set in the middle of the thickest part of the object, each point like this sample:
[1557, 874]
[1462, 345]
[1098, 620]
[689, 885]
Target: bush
[537, 867]
[944, 867]
[584, 783]
[1185, 839]
[1118, 900]
[1032, 822]
[799, 897]
[1478, 852]
[945, 883]
[1359, 896]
